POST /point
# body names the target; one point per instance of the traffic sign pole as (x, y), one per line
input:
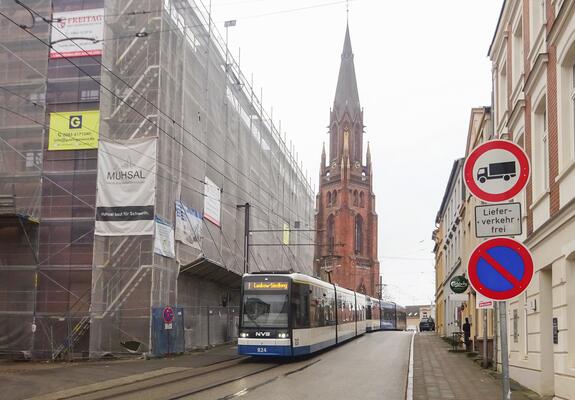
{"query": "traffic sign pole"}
(500, 269)
(504, 350)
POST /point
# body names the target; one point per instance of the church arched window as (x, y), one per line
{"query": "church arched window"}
(361, 200)
(329, 199)
(334, 198)
(358, 234)
(330, 233)
(355, 198)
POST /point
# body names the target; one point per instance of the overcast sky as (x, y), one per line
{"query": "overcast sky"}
(421, 66)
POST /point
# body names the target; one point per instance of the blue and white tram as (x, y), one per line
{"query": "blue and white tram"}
(295, 314)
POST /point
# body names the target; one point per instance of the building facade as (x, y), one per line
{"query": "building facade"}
(150, 100)
(533, 56)
(346, 221)
(448, 237)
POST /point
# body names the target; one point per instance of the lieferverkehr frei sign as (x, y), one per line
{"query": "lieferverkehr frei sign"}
(498, 220)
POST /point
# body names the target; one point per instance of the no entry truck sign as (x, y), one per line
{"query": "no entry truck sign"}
(496, 171)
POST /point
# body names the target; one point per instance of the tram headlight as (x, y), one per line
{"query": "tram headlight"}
(243, 335)
(283, 335)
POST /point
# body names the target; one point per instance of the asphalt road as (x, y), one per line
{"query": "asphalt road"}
(374, 366)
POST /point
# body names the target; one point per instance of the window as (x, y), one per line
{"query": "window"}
(300, 304)
(518, 52)
(358, 234)
(33, 159)
(331, 233)
(515, 326)
(89, 95)
(537, 13)
(502, 93)
(525, 326)
(334, 198)
(329, 199)
(540, 150)
(545, 143)
(361, 200)
(355, 198)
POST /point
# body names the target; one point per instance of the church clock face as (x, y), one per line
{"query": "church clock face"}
(357, 165)
(333, 164)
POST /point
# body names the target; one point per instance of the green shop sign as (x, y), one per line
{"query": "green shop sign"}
(459, 284)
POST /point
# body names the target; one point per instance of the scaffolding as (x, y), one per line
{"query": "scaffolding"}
(165, 73)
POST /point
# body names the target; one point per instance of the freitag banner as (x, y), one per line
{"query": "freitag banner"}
(126, 188)
(188, 225)
(85, 27)
(78, 130)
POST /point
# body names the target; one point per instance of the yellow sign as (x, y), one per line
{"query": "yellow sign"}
(268, 285)
(77, 130)
(286, 234)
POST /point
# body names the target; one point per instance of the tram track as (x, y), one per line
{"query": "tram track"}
(187, 384)
(153, 382)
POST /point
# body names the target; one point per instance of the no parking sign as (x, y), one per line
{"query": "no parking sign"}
(500, 268)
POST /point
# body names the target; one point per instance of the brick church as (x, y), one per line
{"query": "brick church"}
(346, 222)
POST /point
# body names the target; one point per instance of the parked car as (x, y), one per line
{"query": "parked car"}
(426, 324)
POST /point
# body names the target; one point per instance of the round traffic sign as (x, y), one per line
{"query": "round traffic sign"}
(496, 171)
(500, 268)
(168, 314)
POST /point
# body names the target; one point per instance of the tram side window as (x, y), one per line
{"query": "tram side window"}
(300, 305)
(330, 308)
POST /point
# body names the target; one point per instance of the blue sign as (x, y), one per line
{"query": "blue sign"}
(500, 268)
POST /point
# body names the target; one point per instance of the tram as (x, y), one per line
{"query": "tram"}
(289, 315)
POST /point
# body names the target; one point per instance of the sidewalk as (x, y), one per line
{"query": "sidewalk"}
(21, 380)
(439, 374)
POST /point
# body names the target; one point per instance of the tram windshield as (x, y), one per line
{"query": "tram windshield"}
(265, 311)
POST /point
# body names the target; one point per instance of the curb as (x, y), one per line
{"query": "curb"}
(130, 379)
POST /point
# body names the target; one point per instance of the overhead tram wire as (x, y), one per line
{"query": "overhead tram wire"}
(271, 13)
(265, 208)
(118, 158)
(154, 106)
(123, 144)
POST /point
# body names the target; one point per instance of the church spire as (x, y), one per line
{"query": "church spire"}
(346, 93)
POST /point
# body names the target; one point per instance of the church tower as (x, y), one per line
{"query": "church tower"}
(346, 222)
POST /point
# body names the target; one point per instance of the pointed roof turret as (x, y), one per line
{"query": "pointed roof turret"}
(346, 93)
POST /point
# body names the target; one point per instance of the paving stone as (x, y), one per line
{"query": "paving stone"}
(439, 374)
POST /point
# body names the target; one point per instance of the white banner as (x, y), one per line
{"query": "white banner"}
(126, 188)
(164, 244)
(212, 203)
(482, 302)
(84, 27)
(188, 225)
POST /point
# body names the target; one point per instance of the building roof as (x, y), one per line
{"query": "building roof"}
(346, 93)
(457, 165)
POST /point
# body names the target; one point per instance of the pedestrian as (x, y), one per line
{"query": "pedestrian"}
(467, 334)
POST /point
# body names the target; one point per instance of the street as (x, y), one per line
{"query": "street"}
(374, 366)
